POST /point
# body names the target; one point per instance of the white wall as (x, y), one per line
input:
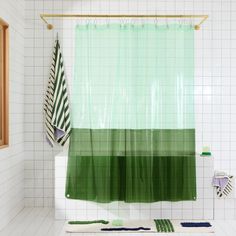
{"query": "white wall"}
(215, 54)
(12, 158)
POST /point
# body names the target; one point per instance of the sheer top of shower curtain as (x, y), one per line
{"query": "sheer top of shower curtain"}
(133, 77)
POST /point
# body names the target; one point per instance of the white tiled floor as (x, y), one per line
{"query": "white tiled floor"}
(40, 222)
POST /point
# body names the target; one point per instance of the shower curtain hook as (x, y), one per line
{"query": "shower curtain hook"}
(132, 23)
(180, 24)
(95, 23)
(122, 22)
(107, 22)
(87, 23)
(156, 22)
(192, 23)
(142, 23)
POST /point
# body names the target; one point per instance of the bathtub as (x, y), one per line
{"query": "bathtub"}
(202, 208)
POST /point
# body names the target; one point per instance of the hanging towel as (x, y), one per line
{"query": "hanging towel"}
(223, 184)
(56, 105)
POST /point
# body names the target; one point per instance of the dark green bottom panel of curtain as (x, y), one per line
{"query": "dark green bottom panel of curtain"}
(131, 165)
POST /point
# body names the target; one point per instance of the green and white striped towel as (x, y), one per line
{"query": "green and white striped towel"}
(56, 105)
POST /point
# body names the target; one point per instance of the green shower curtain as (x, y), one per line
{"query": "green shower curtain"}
(133, 136)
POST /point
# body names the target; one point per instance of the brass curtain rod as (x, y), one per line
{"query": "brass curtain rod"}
(50, 26)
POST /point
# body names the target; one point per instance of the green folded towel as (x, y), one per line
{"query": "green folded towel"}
(84, 222)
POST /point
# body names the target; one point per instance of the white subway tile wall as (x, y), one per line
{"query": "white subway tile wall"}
(12, 157)
(215, 80)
